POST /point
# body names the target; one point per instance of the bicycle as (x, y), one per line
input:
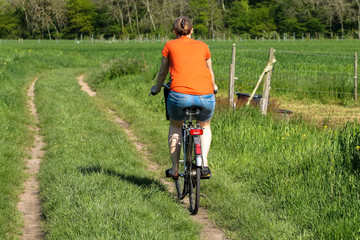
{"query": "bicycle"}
(190, 167)
(189, 170)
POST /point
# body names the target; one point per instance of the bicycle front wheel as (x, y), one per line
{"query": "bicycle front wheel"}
(181, 183)
(194, 189)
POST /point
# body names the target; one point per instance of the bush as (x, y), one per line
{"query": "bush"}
(116, 68)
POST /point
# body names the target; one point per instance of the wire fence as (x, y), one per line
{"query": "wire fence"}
(310, 74)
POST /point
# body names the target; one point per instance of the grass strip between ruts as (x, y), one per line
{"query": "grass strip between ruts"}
(94, 185)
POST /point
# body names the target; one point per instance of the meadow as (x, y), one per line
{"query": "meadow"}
(272, 178)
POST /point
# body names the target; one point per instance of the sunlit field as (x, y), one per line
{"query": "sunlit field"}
(273, 177)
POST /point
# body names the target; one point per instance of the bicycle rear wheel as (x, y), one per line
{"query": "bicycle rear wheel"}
(194, 191)
(194, 183)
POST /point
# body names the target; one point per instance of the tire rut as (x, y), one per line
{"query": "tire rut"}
(209, 231)
(30, 204)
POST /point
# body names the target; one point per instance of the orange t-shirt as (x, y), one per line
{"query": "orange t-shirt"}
(188, 69)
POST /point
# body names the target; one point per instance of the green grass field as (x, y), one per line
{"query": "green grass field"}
(272, 178)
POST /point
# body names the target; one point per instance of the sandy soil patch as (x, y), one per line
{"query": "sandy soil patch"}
(29, 204)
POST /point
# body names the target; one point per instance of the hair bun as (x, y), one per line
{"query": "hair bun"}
(182, 26)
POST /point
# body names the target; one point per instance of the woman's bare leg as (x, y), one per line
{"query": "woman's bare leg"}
(175, 142)
(205, 141)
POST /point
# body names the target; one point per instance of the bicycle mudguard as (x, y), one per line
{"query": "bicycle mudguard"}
(198, 152)
(166, 95)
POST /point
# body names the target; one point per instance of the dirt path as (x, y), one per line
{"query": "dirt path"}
(209, 231)
(29, 204)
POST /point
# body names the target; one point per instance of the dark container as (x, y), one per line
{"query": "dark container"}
(244, 97)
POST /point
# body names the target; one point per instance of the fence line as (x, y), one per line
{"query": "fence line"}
(329, 73)
(313, 85)
(340, 79)
(336, 75)
(290, 52)
(312, 91)
(296, 90)
(146, 38)
(345, 75)
(252, 49)
(251, 84)
(308, 74)
(315, 54)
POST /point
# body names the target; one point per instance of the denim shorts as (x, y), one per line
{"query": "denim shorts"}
(177, 102)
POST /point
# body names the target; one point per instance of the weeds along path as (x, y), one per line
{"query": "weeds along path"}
(209, 230)
(29, 204)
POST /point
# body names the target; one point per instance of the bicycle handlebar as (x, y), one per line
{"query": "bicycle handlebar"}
(151, 93)
(168, 88)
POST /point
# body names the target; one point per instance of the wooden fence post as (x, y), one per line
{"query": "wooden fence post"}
(266, 91)
(232, 78)
(356, 76)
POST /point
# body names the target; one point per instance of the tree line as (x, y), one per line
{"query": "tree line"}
(211, 18)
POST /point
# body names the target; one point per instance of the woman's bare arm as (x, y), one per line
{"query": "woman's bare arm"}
(164, 69)
(209, 65)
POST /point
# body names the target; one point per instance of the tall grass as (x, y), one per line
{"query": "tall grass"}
(290, 177)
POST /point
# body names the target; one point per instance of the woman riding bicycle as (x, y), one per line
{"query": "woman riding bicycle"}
(192, 85)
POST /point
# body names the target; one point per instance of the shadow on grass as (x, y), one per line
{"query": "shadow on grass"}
(143, 182)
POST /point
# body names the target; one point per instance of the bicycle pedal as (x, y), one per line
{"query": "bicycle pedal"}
(208, 176)
(204, 196)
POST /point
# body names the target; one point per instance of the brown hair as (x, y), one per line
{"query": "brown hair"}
(182, 26)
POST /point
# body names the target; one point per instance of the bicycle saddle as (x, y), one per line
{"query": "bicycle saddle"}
(192, 111)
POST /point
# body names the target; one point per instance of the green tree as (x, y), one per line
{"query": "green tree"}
(314, 25)
(291, 25)
(10, 21)
(105, 24)
(287, 19)
(81, 17)
(261, 21)
(216, 17)
(237, 19)
(199, 14)
(200, 26)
